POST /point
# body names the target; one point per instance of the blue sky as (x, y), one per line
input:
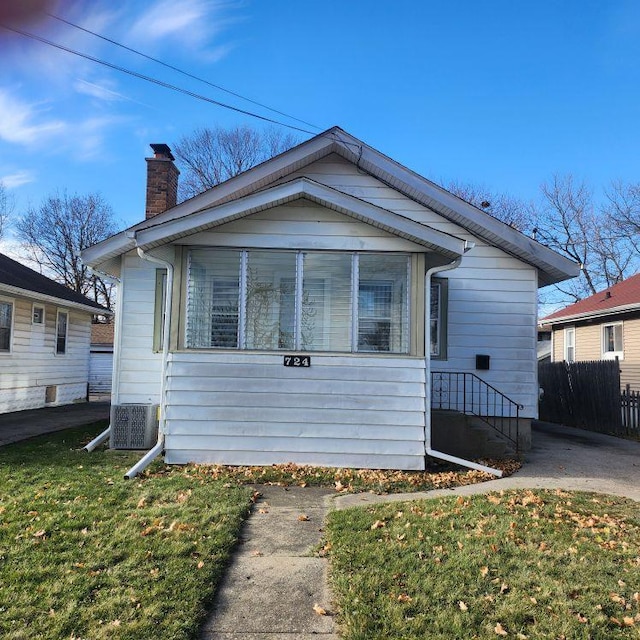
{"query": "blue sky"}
(499, 93)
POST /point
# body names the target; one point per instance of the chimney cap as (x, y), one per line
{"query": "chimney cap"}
(161, 150)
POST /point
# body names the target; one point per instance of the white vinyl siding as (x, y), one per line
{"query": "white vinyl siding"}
(32, 365)
(492, 296)
(138, 377)
(247, 408)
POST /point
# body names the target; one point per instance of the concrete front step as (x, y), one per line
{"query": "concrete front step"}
(467, 437)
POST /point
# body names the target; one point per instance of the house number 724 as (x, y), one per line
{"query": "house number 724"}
(297, 361)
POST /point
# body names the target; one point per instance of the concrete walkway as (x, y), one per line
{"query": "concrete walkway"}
(275, 578)
(21, 425)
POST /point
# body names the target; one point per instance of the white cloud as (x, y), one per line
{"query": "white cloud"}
(98, 91)
(191, 22)
(23, 123)
(14, 180)
(89, 136)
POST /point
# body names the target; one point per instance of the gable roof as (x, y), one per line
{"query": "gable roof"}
(17, 279)
(551, 266)
(619, 298)
(315, 192)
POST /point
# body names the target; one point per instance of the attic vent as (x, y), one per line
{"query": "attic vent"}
(133, 426)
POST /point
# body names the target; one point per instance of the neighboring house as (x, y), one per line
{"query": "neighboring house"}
(101, 358)
(44, 340)
(290, 301)
(604, 326)
(544, 344)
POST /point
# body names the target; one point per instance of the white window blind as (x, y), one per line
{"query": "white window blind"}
(298, 300)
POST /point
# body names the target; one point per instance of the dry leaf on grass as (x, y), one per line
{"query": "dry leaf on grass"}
(500, 630)
(378, 524)
(463, 606)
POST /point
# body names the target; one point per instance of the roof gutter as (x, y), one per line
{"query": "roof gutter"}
(157, 449)
(429, 450)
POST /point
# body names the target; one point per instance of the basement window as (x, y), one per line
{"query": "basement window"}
(298, 301)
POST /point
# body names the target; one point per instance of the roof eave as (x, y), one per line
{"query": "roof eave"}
(36, 295)
(601, 313)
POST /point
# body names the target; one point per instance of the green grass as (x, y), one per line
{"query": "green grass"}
(539, 565)
(87, 554)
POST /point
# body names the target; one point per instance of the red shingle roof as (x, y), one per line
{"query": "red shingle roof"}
(618, 297)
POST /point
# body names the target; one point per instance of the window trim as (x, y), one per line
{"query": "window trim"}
(443, 315)
(12, 304)
(408, 317)
(567, 331)
(612, 355)
(61, 312)
(159, 309)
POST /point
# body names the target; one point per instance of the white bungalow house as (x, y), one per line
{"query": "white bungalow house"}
(45, 330)
(314, 308)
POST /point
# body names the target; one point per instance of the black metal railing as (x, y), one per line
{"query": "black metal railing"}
(467, 393)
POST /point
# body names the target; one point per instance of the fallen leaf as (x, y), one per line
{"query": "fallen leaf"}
(263, 510)
(319, 610)
(504, 588)
(500, 631)
(403, 597)
(628, 621)
(463, 606)
(378, 524)
(484, 572)
(200, 564)
(141, 503)
(40, 534)
(303, 517)
(257, 553)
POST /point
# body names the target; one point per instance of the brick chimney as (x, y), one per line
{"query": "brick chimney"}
(162, 181)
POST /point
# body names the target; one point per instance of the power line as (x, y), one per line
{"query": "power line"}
(173, 68)
(152, 80)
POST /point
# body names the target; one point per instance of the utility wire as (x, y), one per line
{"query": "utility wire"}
(152, 80)
(184, 73)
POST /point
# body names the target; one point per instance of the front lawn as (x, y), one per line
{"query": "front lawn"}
(543, 565)
(85, 554)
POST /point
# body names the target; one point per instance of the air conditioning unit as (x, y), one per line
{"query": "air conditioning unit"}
(134, 426)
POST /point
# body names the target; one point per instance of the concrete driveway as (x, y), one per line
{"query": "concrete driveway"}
(21, 425)
(560, 458)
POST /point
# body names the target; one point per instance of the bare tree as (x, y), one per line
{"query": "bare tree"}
(54, 233)
(6, 207)
(209, 156)
(570, 222)
(512, 211)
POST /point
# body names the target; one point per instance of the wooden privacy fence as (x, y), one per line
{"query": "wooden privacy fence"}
(582, 394)
(630, 401)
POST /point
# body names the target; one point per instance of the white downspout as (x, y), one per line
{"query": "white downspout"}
(427, 372)
(98, 440)
(159, 446)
